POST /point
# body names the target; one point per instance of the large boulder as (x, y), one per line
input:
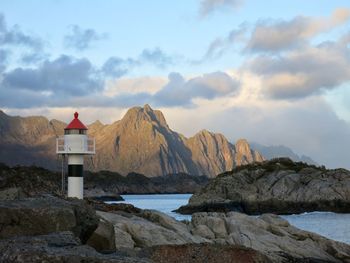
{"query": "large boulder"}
(132, 231)
(270, 235)
(280, 186)
(55, 247)
(38, 216)
(123, 227)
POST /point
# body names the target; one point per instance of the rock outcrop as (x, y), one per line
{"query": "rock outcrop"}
(270, 235)
(39, 216)
(55, 247)
(50, 229)
(140, 142)
(279, 186)
(267, 238)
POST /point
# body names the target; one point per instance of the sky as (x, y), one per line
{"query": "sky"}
(273, 72)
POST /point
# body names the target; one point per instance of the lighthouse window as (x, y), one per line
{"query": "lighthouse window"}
(75, 131)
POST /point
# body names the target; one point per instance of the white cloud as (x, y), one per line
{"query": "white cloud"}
(276, 35)
(134, 85)
(209, 6)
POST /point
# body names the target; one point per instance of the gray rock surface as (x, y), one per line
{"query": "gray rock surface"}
(11, 193)
(55, 247)
(268, 235)
(38, 216)
(271, 235)
(150, 228)
(278, 186)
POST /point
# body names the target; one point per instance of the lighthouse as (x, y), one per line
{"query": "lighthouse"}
(75, 144)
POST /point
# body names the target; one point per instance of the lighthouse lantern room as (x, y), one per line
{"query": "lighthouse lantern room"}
(75, 144)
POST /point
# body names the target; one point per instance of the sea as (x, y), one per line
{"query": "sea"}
(332, 225)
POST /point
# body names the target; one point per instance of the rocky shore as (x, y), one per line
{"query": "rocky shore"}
(107, 186)
(279, 186)
(51, 229)
(39, 227)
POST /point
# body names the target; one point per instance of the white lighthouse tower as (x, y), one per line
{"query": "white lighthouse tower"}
(75, 144)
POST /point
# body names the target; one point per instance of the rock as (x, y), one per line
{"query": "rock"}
(28, 181)
(203, 231)
(55, 247)
(199, 253)
(107, 198)
(270, 235)
(111, 183)
(267, 238)
(136, 231)
(11, 193)
(20, 181)
(279, 186)
(38, 216)
(137, 228)
(103, 238)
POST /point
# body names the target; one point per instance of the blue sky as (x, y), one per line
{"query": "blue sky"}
(274, 72)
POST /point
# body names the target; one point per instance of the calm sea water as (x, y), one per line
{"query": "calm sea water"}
(331, 225)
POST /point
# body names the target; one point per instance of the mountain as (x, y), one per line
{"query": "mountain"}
(140, 142)
(270, 152)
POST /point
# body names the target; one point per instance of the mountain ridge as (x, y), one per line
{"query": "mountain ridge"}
(276, 151)
(140, 142)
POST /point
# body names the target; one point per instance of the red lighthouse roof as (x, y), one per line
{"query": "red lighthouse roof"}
(76, 124)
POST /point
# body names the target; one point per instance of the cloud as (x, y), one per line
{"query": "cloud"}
(4, 54)
(303, 72)
(146, 84)
(220, 45)
(117, 67)
(67, 81)
(33, 57)
(179, 92)
(309, 127)
(15, 37)
(64, 76)
(278, 35)
(209, 6)
(156, 57)
(81, 39)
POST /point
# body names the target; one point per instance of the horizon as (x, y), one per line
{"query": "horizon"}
(206, 64)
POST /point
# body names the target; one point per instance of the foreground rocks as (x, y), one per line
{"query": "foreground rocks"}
(279, 186)
(268, 238)
(55, 247)
(44, 215)
(208, 253)
(270, 235)
(50, 229)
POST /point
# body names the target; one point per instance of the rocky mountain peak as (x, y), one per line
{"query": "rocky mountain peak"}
(203, 133)
(140, 142)
(137, 116)
(242, 146)
(95, 125)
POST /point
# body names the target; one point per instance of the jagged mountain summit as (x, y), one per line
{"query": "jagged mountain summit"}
(140, 142)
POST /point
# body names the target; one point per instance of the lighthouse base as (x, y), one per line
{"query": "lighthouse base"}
(76, 187)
